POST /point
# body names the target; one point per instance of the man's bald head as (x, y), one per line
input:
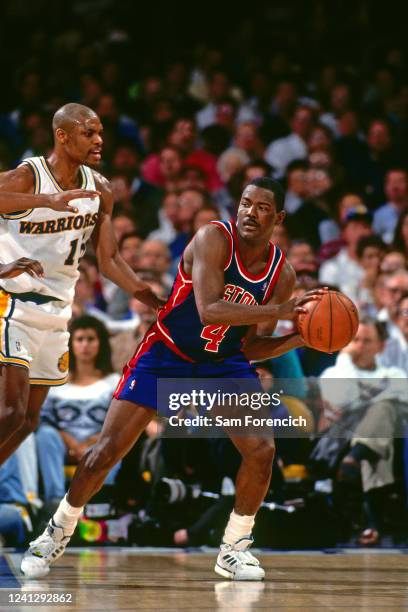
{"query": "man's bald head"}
(69, 116)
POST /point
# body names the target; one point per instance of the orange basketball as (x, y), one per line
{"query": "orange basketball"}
(330, 324)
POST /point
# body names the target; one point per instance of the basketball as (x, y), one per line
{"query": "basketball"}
(329, 324)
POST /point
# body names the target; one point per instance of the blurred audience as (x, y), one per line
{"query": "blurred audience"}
(364, 413)
(344, 269)
(386, 217)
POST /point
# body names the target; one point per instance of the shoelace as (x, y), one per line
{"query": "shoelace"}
(251, 559)
(44, 540)
(243, 556)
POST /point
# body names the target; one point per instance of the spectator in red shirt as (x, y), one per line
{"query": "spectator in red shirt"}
(183, 137)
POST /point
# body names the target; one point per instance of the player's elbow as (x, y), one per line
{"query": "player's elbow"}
(204, 318)
(207, 316)
(214, 314)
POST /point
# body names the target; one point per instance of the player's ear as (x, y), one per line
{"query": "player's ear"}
(280, 217)
(61, 135)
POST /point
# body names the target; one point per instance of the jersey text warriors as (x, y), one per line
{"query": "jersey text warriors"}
(56, 239)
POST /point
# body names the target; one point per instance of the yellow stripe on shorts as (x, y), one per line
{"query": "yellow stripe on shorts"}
(4, 305)
(48, 382)
(13, 361)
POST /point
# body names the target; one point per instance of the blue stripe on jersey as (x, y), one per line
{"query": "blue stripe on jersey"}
(179, 319)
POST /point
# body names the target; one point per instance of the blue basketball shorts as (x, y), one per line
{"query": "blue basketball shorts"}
(154, 360)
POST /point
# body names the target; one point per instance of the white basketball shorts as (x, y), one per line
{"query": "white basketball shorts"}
(34, 336)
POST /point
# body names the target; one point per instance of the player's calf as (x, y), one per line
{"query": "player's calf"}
(14, 394)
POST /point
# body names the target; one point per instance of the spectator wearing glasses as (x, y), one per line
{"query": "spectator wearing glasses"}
(395, 286)
(396, 347)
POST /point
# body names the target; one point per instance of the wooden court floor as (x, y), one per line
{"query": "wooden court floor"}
(139, 579)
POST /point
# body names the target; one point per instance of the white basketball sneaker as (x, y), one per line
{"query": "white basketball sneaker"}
(43, 551)
(236, 562)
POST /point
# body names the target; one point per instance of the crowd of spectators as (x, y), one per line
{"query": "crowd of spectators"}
(182, 138)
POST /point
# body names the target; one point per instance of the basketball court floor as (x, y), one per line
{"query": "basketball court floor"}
(163, 579)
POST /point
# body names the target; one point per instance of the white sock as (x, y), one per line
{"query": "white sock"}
(67, 516)
(238, 526)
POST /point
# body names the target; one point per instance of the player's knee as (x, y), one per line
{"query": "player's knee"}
(263, 454)
(14, 415)
(266, 454)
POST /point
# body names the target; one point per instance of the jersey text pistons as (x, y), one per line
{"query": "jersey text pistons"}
(179, 321)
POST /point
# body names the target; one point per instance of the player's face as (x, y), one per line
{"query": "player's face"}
(85, 345)
(257, 215)
(85, 142)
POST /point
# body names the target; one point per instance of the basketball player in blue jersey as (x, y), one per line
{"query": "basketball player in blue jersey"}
(232, 287)
(48, 210)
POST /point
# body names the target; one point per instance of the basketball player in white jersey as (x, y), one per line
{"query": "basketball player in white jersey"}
(42, 237)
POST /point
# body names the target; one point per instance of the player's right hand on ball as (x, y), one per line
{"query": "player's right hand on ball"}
(294, 307)
(61, 201)
(19, 266)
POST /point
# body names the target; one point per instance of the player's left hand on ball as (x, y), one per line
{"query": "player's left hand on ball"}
(19, 266)
(295, 306)
(310, 296)
(60, 201)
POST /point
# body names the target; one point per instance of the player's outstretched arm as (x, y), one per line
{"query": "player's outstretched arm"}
(259, 348)
(110, 262)
(16, 193)
(210, 252)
